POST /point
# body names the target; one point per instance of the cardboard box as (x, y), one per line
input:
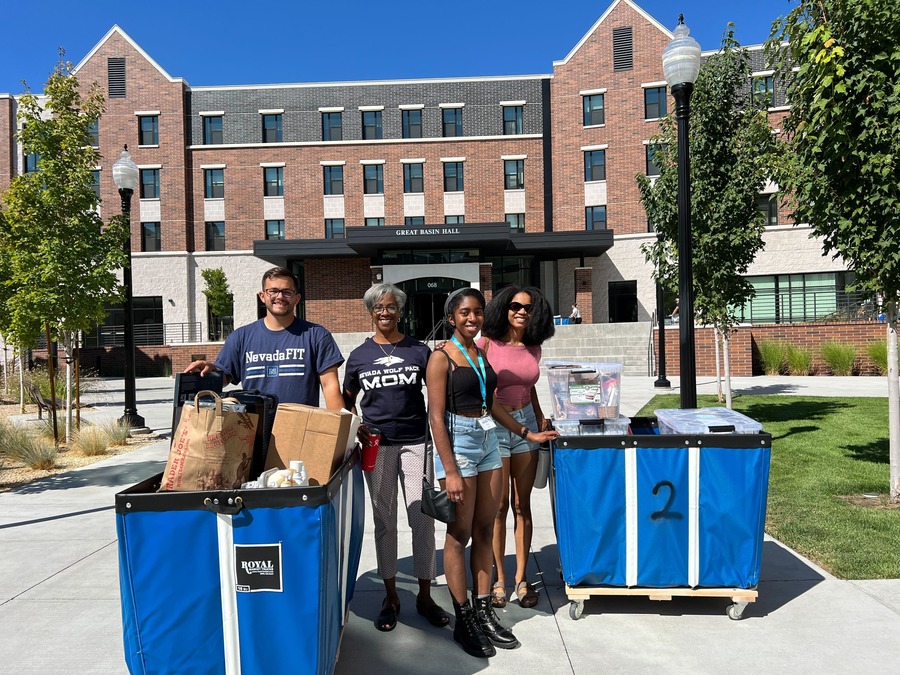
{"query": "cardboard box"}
(318, 436)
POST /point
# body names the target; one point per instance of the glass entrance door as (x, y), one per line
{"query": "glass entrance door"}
(425, 305)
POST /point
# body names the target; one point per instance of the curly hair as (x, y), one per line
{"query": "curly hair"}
(540, 326)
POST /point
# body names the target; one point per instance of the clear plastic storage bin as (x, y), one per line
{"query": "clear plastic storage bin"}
(601, 427)
(705, 421)
(584, 390)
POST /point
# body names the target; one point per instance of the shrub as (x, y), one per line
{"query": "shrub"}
(839, 357)
(115, 433)
(91, 441)
(41, 377)
(44, 426)
(878, 354)
(799, 360)
(28, 449)
(771, 353)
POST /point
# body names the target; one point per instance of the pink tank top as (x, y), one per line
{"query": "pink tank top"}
(518, 369)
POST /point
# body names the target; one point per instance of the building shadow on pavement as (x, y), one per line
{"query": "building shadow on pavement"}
(120, 474)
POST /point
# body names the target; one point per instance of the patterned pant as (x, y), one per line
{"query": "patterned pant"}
(406, 463)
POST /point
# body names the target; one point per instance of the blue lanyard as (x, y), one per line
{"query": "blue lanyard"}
(482, 373)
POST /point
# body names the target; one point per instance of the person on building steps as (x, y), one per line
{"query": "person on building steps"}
(575, 316)
(389, 368)
(281, 354)
(462, 413)
(517, 321)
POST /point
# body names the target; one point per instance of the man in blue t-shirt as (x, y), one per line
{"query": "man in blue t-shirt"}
(281, 354)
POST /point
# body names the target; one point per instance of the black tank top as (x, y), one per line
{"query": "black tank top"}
(463, 388)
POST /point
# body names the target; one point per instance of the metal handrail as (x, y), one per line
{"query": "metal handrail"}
(431, 338)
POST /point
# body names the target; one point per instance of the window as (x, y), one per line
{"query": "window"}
(93, 130)
(149, 183)
(373, 179)
(454, 220)
(623, 49)
(115, 77)
(412, 178)
(374, 222)
(654, 102)
(273, 181)
(412, 124)
(453, 176)
(516, 221)
(95, 183)
(594, 112)
(334, 228)
(31, 162)
(148, 130)
(594, 165)
(371, 120)
(334, 180)
(768, 204)
(512, 120)
(595, 218)
(651, 165)
(514, 174)
(215, 236)
(150, 237)
(331, 126)
(271, 128)
(212, 130)
(764, 91)
(274, 229)
(414, 220)
(215, 183)
(452, 122)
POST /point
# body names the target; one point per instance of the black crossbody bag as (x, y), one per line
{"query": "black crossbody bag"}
(437, 504)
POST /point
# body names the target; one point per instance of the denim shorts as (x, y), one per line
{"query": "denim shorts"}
(513, 444)
(474, 449)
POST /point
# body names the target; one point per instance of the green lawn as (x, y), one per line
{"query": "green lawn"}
(824, 449)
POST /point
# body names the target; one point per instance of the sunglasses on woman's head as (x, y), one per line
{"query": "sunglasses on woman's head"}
(518, 307)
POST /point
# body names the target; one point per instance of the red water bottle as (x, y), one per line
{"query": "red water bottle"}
(371, 441)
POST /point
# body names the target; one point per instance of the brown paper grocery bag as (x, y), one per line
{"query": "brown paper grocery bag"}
(212, 448)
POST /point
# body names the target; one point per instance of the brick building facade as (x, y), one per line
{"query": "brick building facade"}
(430, 184)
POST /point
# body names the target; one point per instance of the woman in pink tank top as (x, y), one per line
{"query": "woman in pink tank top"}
(517, 321)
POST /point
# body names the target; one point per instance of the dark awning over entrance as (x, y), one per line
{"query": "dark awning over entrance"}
(492, 239)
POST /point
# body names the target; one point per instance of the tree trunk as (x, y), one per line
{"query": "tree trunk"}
(67, 347)
(893, 401)
(718, 367)
(727, 358)
(21, 360)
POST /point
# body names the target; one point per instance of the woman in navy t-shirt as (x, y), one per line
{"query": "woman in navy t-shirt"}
(389, 369)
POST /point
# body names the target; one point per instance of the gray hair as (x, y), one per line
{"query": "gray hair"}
(374, 295)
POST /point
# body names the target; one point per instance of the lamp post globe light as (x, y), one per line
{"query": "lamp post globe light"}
(681, 65)
(126, 175)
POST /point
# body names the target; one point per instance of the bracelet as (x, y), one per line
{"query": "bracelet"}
(524, 433)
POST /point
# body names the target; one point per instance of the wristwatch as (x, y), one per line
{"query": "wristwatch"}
(524, 433)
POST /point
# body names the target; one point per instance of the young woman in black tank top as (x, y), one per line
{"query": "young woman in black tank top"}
(462, 414)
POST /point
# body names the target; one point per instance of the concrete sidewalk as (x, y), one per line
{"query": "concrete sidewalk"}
(60, 613)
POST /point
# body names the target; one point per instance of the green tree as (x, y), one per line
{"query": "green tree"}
(731, 148)
(60, 261)
(218, 296)
(842, 161)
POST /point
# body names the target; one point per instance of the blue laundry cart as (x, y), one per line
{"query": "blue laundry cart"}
(661, 515)
(238, 581)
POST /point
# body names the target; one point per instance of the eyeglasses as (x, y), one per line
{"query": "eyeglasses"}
(378, 309)
(285, 293)
(518, 307)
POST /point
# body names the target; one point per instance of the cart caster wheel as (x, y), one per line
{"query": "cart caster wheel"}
(576, 609)
(735, 612)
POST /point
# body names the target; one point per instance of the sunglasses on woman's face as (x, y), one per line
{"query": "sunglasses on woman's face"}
(518, 307)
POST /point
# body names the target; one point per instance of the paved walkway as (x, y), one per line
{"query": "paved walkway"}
(59, 599)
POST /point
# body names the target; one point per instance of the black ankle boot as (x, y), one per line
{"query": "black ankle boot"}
(468, 634)
(490, 625)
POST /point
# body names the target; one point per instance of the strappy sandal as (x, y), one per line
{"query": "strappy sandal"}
(498, 594)
(387, 619)
(528, 597)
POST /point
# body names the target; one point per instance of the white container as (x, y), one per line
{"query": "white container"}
(705, 421)
(584, 390)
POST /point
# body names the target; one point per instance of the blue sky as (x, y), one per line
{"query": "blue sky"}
(228, 42)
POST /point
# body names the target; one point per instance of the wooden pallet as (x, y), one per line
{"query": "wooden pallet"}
(741, 597)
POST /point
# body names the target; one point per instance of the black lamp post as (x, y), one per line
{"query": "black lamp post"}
(126, 176)
(661, 381)
(681, 65)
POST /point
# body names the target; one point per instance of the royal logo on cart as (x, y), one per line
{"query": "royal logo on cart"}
(257, 568)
